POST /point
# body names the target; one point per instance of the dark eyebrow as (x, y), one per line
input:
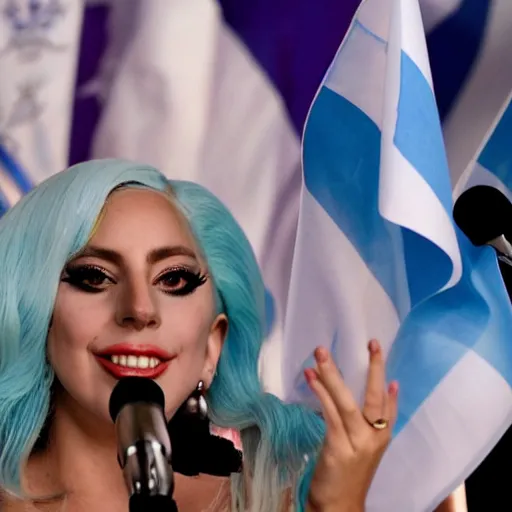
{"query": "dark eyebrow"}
(154, 256)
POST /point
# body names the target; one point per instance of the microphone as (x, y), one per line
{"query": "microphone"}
(144, 447)
(484, 214)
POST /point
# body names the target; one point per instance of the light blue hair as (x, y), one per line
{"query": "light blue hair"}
(52, 223)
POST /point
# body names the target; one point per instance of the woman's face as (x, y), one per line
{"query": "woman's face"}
(137, 301)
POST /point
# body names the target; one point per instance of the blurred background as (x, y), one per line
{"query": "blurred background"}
(218, 92)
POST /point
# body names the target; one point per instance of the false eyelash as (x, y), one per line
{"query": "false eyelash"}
(76, 275)
(194, 280)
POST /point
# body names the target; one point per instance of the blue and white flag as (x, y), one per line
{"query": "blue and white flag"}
(38, 55)
(469, 47)
(493, 164)
(378, 256)
(217, 91)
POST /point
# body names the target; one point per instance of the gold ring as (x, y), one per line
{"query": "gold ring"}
(379, 424)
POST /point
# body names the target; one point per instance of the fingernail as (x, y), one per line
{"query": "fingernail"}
(393, 388)
(310, 375)
(321, 355)
(373, 346)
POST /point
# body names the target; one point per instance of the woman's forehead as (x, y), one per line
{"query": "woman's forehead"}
(136, 216)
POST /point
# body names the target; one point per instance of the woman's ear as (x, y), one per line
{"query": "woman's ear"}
(216, 338)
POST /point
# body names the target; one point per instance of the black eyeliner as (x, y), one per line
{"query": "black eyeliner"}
(193, 280)
(76, 275)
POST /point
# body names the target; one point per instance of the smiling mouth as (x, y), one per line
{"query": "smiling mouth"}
(132, 361)
(127, 360)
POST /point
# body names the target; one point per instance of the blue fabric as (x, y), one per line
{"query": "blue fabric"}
(454, 46)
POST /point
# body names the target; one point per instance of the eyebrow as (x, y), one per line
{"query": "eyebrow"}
(154, 256)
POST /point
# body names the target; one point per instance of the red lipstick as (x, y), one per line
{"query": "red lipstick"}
(126, 349)
(104, 357)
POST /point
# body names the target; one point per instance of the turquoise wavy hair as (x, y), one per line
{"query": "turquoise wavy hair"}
(53, 222)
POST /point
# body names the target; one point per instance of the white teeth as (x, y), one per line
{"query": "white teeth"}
(136, 362)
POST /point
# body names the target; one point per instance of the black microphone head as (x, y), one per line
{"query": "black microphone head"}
(135, 389)
(483, 213)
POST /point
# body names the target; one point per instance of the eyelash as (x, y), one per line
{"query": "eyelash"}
(77, 276)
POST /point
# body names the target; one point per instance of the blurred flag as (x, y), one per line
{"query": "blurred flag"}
(493, 164)
(38, 55)
(469, 46)
(193, 96)
(378, 255)
(218, 91)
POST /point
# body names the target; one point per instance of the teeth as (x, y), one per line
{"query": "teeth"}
(136, 362)
(143, 362)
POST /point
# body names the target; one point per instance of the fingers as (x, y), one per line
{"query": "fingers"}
(332, 418)
(338, 401)
(376, 396)
(392, 398)
(331, 378)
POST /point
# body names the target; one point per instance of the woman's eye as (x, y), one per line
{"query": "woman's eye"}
(180, 281)
(87, 278)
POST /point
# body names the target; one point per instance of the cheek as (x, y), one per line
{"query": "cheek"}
(186, 325)
(188, 328)
(75, 323)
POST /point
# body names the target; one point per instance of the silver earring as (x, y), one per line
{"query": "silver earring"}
(196, 402)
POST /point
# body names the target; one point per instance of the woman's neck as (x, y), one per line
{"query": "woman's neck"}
(80, 462)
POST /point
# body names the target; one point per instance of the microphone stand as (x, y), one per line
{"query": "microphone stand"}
(136, 407)
(149, 478)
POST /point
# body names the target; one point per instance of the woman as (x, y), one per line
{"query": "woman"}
(109, 271)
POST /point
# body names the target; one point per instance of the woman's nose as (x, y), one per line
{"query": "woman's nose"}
(137, 306)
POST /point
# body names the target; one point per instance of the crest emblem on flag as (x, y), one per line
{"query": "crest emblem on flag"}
(30, 23)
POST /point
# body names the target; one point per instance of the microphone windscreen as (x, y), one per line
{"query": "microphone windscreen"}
(483, 213)
(135, 389)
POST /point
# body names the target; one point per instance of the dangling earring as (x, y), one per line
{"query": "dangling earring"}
(196, 402)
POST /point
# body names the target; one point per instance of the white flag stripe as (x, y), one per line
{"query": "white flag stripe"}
(189, 115)
(435, 451)
(355, 300)
(484, 93)
(482, 176)
(367, 95)
(435, 12)
(36, 101)
(421, 213)
(412, 34)
(468, 176)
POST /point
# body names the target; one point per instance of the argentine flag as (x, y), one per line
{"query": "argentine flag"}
(493, 165)
(378, 255)
(216, 91)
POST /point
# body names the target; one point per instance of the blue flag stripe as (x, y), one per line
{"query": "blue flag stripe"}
(439, 332)
(417, 113)
(14, 170)
(341, 171)
(4, 203)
